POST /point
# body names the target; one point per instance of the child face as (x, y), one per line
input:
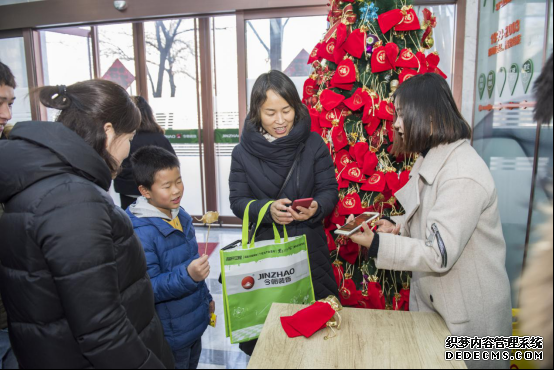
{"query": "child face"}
(167, 190)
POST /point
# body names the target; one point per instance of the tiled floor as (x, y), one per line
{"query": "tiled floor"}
(218, 352)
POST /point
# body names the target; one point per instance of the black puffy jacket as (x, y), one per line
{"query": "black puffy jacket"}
(73, 273)
(258, 171)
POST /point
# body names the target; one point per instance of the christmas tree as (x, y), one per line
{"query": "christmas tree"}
(369, 50)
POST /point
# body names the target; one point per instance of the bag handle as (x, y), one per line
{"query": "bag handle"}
(246, 222)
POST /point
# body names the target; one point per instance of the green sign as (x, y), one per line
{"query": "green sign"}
(227, 136)
(491, 82)
(482, 85)
(503, 73)
(182, 136)
(513, 77)
(527, 71)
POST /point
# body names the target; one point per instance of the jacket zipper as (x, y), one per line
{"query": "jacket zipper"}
(442, 246)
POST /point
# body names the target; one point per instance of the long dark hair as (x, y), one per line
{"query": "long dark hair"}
(431, 117)
(148, 122)
(282, 85)
(87, 106)
(543, 92)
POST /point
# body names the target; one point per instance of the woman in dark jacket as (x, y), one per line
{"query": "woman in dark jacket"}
(149, 133)
(277, 129)
(73, 273)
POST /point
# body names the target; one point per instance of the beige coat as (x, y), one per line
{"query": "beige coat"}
(453, 189)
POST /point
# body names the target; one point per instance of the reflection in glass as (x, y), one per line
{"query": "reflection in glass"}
(12, 54)
(117, 55)
(226, 100)
(443, 34)
(506, 139)
(171, 56)
(66, 57)
(273, 44)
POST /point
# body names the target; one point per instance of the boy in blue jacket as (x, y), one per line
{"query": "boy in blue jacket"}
(176, 270)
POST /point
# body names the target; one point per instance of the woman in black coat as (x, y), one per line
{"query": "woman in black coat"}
(277, 129)
(73, 274)
(149, 133)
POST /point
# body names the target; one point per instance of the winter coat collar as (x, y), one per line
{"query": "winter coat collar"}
(142, 209)
(435, 159)
(427, 168)
(163, 227)
(279, 155)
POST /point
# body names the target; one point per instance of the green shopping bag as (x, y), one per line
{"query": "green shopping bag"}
(260, 274)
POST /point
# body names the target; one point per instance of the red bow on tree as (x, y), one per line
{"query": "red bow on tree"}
(340, 18)
(335, 13)
(429, 23)
(433, 61)
(430, 64)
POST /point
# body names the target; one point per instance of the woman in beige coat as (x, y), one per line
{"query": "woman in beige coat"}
(451, 236)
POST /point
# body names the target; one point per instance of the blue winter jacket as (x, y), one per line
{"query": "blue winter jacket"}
(181, 303)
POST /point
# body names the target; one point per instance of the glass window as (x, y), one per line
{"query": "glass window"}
(66, 57)
(12, 54)
(273, 44)
(117, 55)
(226, 100)
(510, 55)
(172, 55)
(444, 34)
(543, 184)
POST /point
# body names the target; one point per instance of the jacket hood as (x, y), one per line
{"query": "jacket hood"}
(150, 218)
(143, 209)
(39, 150)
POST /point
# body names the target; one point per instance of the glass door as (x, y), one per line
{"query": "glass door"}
(173, 92)
(273, 44)
(12, 54)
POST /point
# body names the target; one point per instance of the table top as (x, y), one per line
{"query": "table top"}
(368, 339)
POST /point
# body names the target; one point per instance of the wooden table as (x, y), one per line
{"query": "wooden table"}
(368, 339)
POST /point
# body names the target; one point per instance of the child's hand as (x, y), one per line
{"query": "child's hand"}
(199, 269)
(212, 307)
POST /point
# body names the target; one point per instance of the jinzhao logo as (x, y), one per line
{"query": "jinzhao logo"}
(276, 275)
(248, 282)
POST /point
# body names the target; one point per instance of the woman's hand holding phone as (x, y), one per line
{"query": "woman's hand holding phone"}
(280, 212)
(364, 237)
(304, 214)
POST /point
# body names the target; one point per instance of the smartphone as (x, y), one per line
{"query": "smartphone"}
(354, 226)
(305, 203)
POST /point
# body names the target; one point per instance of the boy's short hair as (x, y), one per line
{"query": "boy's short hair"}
(6, 76)
(150, 160)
